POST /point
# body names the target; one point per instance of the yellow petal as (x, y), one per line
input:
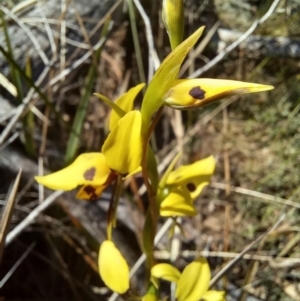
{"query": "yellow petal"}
(173, 18)
(165, 271)
(163, 181)
(90, 192)
(177, 203)
(193, 177)
(164, 78)
(192, 93)
(113, 268)
(125, 102)
(123, 146)
(194, 281)
(214, 296)
(89, 168)
(112, 104)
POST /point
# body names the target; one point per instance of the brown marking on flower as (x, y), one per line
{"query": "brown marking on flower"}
(197, 93)
(91, 192)
(191, 187)
(89, 174)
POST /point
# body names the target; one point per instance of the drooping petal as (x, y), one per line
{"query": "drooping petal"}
(125, 102)
(165, 271)
(213, 296)
(113, 268)
(173, 18)
(87, 169)
(191, 93)
(194, 281)
(164, 78)
(177, 203)
(123, 146)
(193, 177)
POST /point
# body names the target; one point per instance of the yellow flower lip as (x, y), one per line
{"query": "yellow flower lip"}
(87, 169)
(193, 177)
(192, 93)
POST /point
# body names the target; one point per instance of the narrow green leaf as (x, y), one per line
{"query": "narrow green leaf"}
(74, 138)
(28, 120)
(164, 78)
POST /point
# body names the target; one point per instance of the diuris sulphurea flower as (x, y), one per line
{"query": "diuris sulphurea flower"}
(121, 154)
(179, 188)
(192, 284)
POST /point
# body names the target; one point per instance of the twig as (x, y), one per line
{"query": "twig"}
(17, 263)
(256, 194)
(247, 249)
(32, 216)
(48, 28)
(274, 262)
(199, 48)
(80, 61)
(22, 107)
(29, 33)
(242, 38)
(153, 57)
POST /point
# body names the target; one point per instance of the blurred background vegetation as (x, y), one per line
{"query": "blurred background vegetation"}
(102, 47)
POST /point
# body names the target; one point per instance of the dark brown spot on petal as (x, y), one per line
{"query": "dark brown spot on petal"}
(91, 192)
(191, 187)
(89, 174)
(197, 93)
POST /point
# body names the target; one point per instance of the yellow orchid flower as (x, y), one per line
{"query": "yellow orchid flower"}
(166, 89)
(179, 188)
(194, 177)
(89, 170)
(121, 154)
(191, 93)
(192, 283)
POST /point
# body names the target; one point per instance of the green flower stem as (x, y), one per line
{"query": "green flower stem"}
(112, 211)
(150, 191)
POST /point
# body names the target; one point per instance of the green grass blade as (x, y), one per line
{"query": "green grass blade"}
(81, 112)
(136, 42)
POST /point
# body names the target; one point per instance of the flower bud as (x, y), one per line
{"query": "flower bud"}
(191, 93)
(173, 18)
